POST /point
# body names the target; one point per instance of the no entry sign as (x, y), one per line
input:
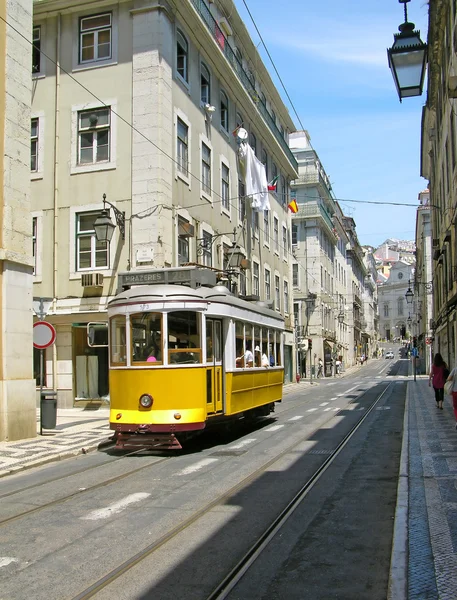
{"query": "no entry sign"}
(44, 335)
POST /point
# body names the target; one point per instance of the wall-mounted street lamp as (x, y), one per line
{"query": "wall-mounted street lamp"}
(236, 258)
(409, 322)
(341, 318)
(407, 59)
(428, 285)
(104, 227)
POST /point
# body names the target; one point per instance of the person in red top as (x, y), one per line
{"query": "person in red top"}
(438, 375)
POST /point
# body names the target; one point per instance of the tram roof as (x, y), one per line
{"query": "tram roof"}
(143, 294)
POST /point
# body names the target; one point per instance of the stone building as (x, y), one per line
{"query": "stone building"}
(137, 103)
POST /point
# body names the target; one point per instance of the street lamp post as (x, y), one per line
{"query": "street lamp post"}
(407, 59)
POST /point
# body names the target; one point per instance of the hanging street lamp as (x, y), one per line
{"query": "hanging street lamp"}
(407, 59)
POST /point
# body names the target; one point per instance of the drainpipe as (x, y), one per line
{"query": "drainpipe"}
(56, 193)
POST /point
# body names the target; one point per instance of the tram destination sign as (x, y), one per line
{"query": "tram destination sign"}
(192, 276)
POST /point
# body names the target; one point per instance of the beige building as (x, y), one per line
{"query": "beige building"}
(17, 396)
(139, 101)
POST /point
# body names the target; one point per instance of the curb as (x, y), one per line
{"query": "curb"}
(398, 576)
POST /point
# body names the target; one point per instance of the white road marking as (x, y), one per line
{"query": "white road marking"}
(197, 466)
(7, 560)
(243, 443)
(336, 409)
(383, 408)
(327, 409)
(323, 404)
(116, 507)
(311, 409)
(335, 398)
(296, 418)
(349, 390)
(274, 428)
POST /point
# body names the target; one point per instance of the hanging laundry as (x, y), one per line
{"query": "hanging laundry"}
(255, 178)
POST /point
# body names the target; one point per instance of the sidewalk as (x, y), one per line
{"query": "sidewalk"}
(424, 554)
(78, 431)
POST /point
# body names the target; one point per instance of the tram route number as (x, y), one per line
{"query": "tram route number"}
(144, 306)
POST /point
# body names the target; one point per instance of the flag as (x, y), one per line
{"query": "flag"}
(273, 183)
(292, 206)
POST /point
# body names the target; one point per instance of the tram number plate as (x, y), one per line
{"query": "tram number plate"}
(144, 306)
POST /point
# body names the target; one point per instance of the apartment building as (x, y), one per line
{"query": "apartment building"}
(438, 166)
(395, 314)
(320, 268)
(423, 282)
(136, 109)
(17, 397)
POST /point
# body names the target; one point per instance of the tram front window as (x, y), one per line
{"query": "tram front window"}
(147, 344)
(117, 345)
(184, 338)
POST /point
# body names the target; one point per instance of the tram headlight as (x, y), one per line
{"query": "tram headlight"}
(146, 401)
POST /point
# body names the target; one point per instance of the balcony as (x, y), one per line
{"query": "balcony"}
(315, 210)
(312, 176)
(246, 79)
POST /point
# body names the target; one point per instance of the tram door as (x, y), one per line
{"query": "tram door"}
(214, 373)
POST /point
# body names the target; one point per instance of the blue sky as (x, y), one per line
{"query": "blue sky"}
(332, 58)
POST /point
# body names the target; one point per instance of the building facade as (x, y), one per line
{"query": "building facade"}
(438, 166)
(139, 104)
(17, 396)
(395, 314)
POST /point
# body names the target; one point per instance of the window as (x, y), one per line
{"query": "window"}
(255, 223)
(224, 111)
(264, 161)
(36, 50)
(206, 169)
(295, 281)
(273, 116)
(294, 234)
(34, 146)
(255, 279)
(266, 226)
(242, 201)
(182, 55)
(400, 307)
(386, 310)
(283, 190)
(284, 240)
(34, 243)
(263, 99)
(267, 284)
(253, 142)
(225, 187)
(276, 234)
(277, 293)
(94, 136)
(286, 296)
(183, 241)
(95, 38)
(182, 150)
(207, 254)
(274, 175)
(205, 84)
(146, 338)
(90, 253)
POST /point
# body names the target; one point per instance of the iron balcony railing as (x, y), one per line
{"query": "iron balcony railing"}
(312, 176)
(247, 79)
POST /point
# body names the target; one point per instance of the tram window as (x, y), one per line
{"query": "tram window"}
(257, 348)
(147, 344)
(117, 345)
(184, 338)
(218, 340)
(209, 340)
(239, 344)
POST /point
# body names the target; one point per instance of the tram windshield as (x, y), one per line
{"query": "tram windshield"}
(147, 339)
(184, 338)
(117, 340)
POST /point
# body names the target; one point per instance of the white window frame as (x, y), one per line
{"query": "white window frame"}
(185, 79)
(224, 107)
(95, 64)
(295, 276)
(95, 31)
(205, 232)
(284, 243)
(38, 174)
(267, 282)
(276, 234)
(38, 265)
(286, 296)
(100, 166)
(266, 228)
(203, 193)
(226, 186)
(277, 279)
(41, 27)
(207, 99)
(255, 278)
(179, 114)
(241, 204)
(106, 271)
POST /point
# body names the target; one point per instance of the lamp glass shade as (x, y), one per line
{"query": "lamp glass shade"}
(341, 317)
(235, 257)
(104, 227)
(407, 61)
(409, 296)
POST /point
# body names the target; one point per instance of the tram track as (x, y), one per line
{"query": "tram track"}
(233, 577)
(78, 492)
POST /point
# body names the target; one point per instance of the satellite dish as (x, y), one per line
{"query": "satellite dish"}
(242, 134)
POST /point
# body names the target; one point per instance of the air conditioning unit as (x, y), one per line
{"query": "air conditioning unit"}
(92, 279)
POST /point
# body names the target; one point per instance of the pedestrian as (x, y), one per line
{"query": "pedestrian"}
(438, 375)
(338, 366)
(246, 359)
(320, 368)
(453, 377)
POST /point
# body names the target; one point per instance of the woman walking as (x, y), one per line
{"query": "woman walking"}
(438, 375)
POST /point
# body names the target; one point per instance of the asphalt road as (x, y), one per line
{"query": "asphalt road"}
(140, 526)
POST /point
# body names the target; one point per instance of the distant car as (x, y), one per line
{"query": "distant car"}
(389, 354)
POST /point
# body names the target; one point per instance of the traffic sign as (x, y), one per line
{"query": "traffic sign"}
(428, 340)
(44, 335)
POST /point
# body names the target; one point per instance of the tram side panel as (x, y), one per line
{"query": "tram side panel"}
(252, 388)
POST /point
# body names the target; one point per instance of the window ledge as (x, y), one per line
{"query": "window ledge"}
(38, 76)
(227, 213)
(92, 168)
(182, 177)
(34, 176)
(205, 196)
(95, 65)
(76, 275)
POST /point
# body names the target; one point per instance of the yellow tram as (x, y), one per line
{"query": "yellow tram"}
(183, 359)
